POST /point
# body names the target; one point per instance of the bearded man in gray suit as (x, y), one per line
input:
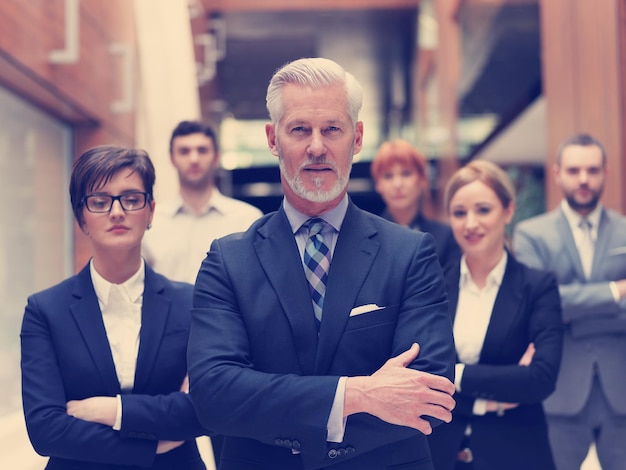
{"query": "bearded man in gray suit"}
(584, 245)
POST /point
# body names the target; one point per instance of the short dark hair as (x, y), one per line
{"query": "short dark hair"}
(584, 140)
(95, 168)
(193, 127)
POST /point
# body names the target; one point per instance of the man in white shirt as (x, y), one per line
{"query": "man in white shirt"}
(183, 229)
(584, 244)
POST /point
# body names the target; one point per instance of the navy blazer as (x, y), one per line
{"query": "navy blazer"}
(66, 356)
(268, 379)
(448, 250)
(527, 310)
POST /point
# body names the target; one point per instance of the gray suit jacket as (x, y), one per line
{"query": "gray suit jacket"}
(595, 325)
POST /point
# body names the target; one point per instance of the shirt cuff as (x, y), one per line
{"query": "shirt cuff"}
(118, 416)
(458, 375)
(336, 426)
(480, 407)
(614, 291)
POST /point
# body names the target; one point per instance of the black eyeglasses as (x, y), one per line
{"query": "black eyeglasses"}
(100, 203)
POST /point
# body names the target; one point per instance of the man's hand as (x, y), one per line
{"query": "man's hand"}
(399, 395)
(101, 410)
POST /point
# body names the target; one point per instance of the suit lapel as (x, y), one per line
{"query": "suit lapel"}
(154, 313)
(88, 318)
(505, 310)
(278, 254)
(356, 249)
(602, 242)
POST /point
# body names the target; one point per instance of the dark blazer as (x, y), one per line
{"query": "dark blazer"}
(66, 356)
(448, 250)
(527, 309)
(269, 379)
(595, 325)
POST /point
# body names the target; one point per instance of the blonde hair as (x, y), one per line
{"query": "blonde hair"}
(488, 173)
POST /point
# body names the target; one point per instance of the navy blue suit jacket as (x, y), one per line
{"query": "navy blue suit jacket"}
(258, 369)
(527, 310)
(66, 356)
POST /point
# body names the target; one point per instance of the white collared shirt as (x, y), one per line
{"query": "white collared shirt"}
(180, 239)
(122, 330)
(473, 314)
(473, 311)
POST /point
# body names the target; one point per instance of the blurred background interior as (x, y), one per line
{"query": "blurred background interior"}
(504, 80)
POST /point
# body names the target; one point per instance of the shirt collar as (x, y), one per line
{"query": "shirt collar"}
(132, 287)
(494, 278)
(334, 217)
(573, 217)
(217, 202)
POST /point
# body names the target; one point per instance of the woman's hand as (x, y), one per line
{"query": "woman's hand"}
(500, 407)
(101, 410)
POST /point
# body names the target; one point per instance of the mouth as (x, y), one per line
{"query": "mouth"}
(118, 228)
(319, 168)
(473, 237)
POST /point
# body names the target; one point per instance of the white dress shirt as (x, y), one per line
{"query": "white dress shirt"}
(473, 314)
(122, 326)
(180, 239)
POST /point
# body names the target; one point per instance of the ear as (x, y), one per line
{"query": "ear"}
(152, 206)
(508, 213)
(270, 132)
(358, 137)
(555, 172)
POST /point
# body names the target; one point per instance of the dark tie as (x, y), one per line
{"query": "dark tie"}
(316, 264)
(586, 247)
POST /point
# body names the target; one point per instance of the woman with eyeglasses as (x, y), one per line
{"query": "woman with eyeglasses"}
(104, 352)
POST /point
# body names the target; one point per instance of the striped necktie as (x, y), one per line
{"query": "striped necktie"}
(316, 264)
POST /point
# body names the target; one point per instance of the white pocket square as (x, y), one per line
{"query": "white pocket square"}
(364, 309)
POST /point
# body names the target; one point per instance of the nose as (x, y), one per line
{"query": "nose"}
(316, 147)
(117, 210)
(471, 221)
(583, 177)
(194, 156)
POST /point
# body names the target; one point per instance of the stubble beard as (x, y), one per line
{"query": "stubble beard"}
(587, 206)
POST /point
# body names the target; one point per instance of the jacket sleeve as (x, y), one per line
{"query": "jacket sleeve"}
(513, 383)
(51, 430)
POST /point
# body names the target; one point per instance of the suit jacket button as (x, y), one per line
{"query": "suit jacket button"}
(278, 442)
(287, 443)
(295, 445)
(332, 453)
(350, 450)
(342, 452)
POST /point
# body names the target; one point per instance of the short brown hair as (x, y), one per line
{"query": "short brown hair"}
(94, 168)
(486, 172)
(397, 151)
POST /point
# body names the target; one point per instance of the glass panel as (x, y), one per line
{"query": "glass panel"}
(36, 228)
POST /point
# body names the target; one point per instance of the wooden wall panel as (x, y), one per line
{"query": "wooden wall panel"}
(266, 5)
(582, 84)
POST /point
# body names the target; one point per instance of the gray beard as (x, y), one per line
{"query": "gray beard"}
(316, 195)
